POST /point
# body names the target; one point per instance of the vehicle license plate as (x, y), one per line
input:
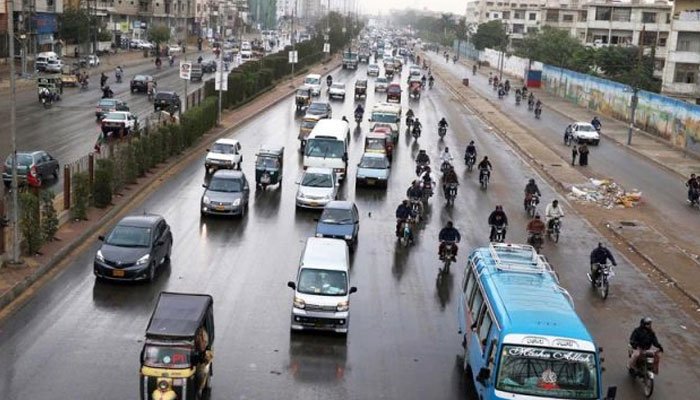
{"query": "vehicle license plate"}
(265, 179)
(117, 273)
(313, 203)
(371, 181)
(219, 208)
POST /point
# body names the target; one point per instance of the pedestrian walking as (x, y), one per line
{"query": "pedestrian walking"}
(583, 155)
(574, 153)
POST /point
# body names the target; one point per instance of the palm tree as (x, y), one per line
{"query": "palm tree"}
(446, 19)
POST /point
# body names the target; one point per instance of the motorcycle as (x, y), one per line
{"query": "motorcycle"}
(358, 118)
(535, 240)
(517, 100)
(501, 93)
(470, 160)
(416, 208)
(499, 233)
(47, 101)
(602, 280)
(427, 191)
(538, 112)
(442, 131)
(118, 76)
(416, 131)
(484, 176)
(447, 256)
(421, 168)
(531, 201)
(409, 122)
(445, 166)
(451, 194)
(554, 229)
(84, 85)
(644, 370)
(530, 105)
(406, 232)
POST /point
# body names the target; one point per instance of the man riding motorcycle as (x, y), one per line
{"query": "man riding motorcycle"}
(596, 123)
(415, 195)
(329, 80)
(448, 234)
(600, 255)
(535, 228)
(449, 178)
(446, 160)
(531, 101)
(497, 218)
(403, 212)
(553, 211)
(107, 93)
(641, 340)
(470, 152)
(417, 126)
(531, 189)
(484, 168)
(422, 80)
(431, 80)
(442, 124)
(103, 79)
(359, 111)
(693, 185)
(46, 94)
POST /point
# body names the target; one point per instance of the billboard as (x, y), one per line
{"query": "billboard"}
(45, 23)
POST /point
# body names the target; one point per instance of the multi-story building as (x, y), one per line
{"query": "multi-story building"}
(681, 76)
(37, 20)
(519, 16)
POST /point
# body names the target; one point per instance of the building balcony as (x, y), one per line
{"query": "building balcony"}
(686, 25)
(685, 57)
(687, 90)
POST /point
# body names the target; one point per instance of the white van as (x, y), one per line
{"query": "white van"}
(42, 60)
(314, 82)
(322, 288)
(327, 146)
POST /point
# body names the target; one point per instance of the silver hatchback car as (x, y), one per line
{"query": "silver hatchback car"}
(226, 193)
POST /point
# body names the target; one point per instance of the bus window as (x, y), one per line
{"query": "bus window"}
(469, 282)
(484, 328)
(476, 306)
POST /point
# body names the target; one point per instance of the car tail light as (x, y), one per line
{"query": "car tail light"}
(32, 171)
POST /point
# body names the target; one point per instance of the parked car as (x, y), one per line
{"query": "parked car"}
(340, 220)
(174, 49)
(196, 72)
(93, 60)
(223, 154)
(373, 170)
(166, 100)
(106, 106)
(317, 187)
(33, 167)
(226, 193)
(146, 45)
(140, 83)
(583, 132)
(134, 249)
(337, 89)
(320, 108)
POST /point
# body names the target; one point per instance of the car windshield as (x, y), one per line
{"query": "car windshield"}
(551, 373)
(267, 162)
(223, 148)
(323, 282)
(336, 216)
(586, 128)
(108, 103)
(338, 86)
(166, 357)
(308, 123)
(375, 144)
(140, 78)
(381, 80)
(312, 81)
(317, 108)
(373, 66)
(227, 185)
(23, 160)
(129, 236)
(326, 148)
(384, 117)
(116, 116)
(373, 163)
(319, 180)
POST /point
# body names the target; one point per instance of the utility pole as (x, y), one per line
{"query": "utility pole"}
(221, 60)
(13, 133)
(292, 39)
(635, 87)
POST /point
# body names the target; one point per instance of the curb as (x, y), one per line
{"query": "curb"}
(655, 265)
(148, 183)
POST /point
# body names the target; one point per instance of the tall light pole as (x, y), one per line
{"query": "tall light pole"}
(13, 133)
(221, 57)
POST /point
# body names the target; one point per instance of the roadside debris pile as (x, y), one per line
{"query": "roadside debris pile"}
(605, 193)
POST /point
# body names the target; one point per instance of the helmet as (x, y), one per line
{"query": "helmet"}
(486, 158)
(421, 151)
(471, 142)
(645, 321)
(532, 180)
(449, 224)
(447, 149)
(499, 208)
(405, 202)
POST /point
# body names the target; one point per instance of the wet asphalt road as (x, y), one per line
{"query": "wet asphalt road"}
(78, 339)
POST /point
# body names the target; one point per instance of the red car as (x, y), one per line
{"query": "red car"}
(393, 93)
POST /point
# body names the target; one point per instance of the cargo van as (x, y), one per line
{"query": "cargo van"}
(322, 287)
(327, 146)
(42, 60)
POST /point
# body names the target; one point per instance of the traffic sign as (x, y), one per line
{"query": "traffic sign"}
(218, 80)
(326, 47)
(185, 70)
(293, 57)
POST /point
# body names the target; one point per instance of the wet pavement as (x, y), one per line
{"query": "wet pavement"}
(79, 339)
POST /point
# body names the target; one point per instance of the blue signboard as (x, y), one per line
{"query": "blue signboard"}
(45, 23)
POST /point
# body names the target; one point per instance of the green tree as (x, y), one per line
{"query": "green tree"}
(30, 222)
(49, 216)
(555, 47)
(104, 176)
(461, 32)
(159, 34)
(81, 196)
(74, 25)
(446, 23)
(628, 65)
(491, 34)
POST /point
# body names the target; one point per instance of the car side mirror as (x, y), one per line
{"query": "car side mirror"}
(292, 285)
(160, 242)
(204, 185)
(101, 238)
(483, 376)
(353, 289)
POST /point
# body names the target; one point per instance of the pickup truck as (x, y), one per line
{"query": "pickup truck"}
(350, 60)
(121, 122)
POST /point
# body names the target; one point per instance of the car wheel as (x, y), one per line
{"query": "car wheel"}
(596, 142)
(166, 259)
(152, 272)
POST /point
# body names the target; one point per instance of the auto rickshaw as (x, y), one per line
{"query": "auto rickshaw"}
(379, 142)
(360, 88)
(393, 93)
(303, 98)
(69, 76)
(269, 164)
(307, 125)
(177, 355)
(50, 82)
(414, 88)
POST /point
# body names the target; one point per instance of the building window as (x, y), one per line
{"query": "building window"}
(533, 16)
(686, 73)
(621, 39)
(552, 16)
(567, 18)
(489, 4)
(621, 14)
(649, 17)
(518, 28)
(649, 38)
(506, 15)
(603, 13)
(523, 6)
(688, 41)
(583, 16)
(518, 15)
(663, 37)
(668, 18)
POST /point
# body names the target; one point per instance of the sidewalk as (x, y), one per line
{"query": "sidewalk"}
(638, 238)
(72, 237)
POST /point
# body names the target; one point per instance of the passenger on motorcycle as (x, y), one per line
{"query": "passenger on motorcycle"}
(448, 234)
(484, 168)
(596, 123)
(498, 218)
(409, 113)
(535, 227)
(442, 123)
(600, 255)
(422, 157)
(470, 151)
(531, 99)
(359, 110)
(446, 158)
(693, 185)
(641, 340)
(403, 212)
(46, 94)
(417, 126)
(553, 211)
(449, 178)
(530, 190)
(415, 191)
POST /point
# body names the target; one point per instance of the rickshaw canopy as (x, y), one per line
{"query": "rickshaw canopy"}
(179, 315)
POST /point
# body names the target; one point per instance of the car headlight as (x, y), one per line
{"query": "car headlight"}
(299, 303)
(99, 256)
(319, 234)
(237, 202)
(343, 306)
(143, 260)
(348, 237)
(206, 200)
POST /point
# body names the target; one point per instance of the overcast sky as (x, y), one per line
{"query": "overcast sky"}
(454, 6)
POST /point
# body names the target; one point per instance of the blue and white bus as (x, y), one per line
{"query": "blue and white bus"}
(522, 337)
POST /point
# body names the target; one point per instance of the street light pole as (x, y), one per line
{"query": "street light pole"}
(221, 61)
(13, 133)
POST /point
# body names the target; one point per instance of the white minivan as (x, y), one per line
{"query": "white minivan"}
(314, 82)
(322, 287)
(327, 146)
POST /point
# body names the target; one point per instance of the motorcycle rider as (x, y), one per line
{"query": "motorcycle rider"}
(403, 212)
(422, 80)
(641, 340)
(506, 86)
(415, 191)
(107, 93)
(359, 110)
(103, 79)
(531, 100)
(442, 123)
(449, 178)
(470, 151)
(118, 73)
(171, 60)
(484, 168)
(150, 88)
(600, 255)
(448, 234)
(417, 126)
(431, 80)
(538, 105)
(596, 123)
(446, 158)
(530, 190)
(409, 113)
(422, 159)
(553, 211)
(693, 185)
(329, 80)
(568, 133)
(498, 218)
(535, 227)
(45, 93)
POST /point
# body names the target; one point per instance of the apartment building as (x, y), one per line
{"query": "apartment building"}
(681, 75)
(519, 16)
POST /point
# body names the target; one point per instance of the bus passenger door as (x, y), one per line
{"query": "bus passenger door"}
(481, 351)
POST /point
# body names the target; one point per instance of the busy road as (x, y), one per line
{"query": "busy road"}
(80, 339)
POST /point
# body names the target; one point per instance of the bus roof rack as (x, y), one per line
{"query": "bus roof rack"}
(519, 258)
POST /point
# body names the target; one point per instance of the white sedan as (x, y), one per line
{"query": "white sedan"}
(317, 187)
(583, 132)
(337, 89)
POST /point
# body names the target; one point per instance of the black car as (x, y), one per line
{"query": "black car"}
(140, 83)
(166, 100)
(320, 108)
(134, 249)
(208, 66)
(106, 106)
(32, 168)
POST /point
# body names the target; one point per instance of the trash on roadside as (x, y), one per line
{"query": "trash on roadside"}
(606, 193)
